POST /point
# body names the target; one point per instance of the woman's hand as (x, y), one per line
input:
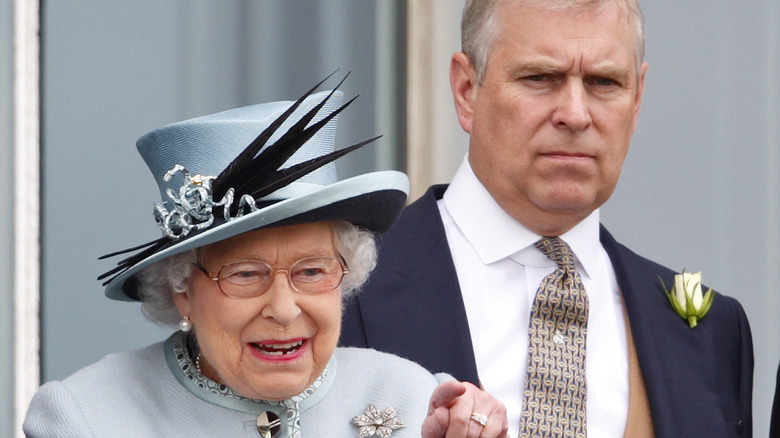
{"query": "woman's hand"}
(459, 409)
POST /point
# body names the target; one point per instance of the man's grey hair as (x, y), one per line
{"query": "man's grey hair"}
(479, 25)
(158, 282)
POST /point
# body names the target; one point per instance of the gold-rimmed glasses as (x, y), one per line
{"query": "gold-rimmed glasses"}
(251, 278)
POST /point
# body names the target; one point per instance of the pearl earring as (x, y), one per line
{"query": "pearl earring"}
(185, 324)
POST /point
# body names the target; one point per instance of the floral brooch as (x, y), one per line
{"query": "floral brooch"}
(374, 422)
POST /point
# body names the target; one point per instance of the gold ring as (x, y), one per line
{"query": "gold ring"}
(479, 418)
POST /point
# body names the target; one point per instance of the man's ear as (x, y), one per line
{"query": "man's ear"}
(463, 80)
(640, 92)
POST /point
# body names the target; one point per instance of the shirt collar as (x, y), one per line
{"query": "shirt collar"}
(495, 235)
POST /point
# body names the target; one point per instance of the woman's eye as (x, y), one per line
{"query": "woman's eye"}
(246, 277)
(310, 272)
(247, 274)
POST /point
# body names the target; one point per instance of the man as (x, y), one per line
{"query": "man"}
(774, 427)
(550, 91)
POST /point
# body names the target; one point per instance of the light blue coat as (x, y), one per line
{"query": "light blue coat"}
(136, 394)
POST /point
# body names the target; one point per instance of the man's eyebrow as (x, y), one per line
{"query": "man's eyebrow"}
(542, 67)
(609, 72)
(537, 68)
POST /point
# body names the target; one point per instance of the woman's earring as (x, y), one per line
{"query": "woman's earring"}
(185, 324)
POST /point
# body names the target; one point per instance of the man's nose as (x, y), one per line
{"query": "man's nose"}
(572, 112)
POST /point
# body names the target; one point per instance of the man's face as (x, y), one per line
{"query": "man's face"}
(552, 120)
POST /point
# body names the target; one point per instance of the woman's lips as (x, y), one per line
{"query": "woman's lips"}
(279, 350)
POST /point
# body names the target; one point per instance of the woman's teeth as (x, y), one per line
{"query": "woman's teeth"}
(278, 349)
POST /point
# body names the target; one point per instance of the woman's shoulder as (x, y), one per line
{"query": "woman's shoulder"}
(371, 364)
(112, 376)
(349, 354)
(124, 365)
(114, 384)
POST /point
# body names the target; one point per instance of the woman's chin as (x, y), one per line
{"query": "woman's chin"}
(275, 386)
(277, 376)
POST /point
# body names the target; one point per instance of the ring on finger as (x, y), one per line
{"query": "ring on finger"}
(482, 419)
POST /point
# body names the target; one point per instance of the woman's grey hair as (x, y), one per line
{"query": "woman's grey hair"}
(158, 282)
(479, 25)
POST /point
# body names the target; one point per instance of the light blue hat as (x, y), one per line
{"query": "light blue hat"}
(262, 165)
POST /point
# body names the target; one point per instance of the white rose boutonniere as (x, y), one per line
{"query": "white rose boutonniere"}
(687, 299)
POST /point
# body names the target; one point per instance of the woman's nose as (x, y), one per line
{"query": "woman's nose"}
(281, 300)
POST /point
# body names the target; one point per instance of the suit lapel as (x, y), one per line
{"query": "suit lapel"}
(672, 357)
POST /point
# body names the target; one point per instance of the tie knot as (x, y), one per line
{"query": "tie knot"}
(556, 250)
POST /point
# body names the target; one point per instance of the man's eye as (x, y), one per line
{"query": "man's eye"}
(537, 78)
(604, 82)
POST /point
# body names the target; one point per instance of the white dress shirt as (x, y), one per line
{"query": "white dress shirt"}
(500, 269)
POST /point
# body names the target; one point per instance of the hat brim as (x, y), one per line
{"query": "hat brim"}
(372, 201)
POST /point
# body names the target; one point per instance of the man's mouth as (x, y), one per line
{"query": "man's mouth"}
(567, 154)
(278, 349)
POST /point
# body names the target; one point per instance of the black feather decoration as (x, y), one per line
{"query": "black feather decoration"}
(256, 173)
(127, 263)
(234, 171)
(292, 173)
(266, 167)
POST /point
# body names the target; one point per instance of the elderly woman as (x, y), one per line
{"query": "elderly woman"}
(260, 247)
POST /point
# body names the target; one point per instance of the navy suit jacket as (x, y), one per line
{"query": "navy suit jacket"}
(698, 381)
(774, 427)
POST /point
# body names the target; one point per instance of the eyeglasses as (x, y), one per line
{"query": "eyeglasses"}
(252, 278)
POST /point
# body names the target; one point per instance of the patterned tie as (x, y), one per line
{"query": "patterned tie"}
(555, 389)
